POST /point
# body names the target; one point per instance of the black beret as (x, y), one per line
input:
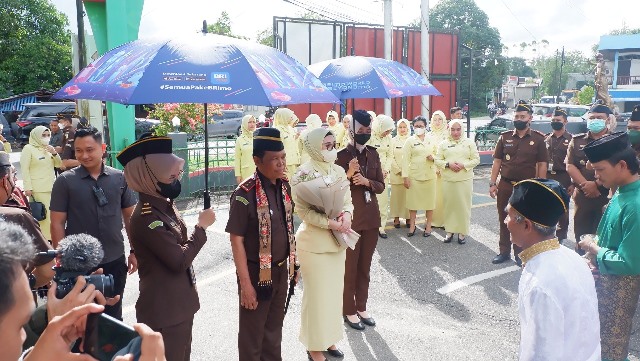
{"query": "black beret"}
(559, 112)
(267, 139)
(5, 159)
(143, 146)
(600, 107)
(542, 201)
(362, 117)
(605, 147)
(635, 114)
(523, 106)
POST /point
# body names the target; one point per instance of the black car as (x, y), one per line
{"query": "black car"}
(6, 129)
(35, 114)
(226, 124)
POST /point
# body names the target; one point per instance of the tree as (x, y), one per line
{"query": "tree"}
(548, 68)
(585, 95)
(475, 31)
(222, 26)
(518, 67)
(35, 48)
(265, 37)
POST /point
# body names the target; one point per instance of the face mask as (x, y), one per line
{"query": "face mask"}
(419, 131)
(46, 140)
(171, 190)
(329, 156)
(557, 125)
(634, 136)
(520, 125)
(362, 139)
(596, 125)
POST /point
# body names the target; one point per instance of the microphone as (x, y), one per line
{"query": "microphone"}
(80, 252)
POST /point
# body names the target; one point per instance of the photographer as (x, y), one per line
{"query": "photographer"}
(17, 306)
(40, 267)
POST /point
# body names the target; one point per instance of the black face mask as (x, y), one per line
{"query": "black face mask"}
(520, 125)
(362, 139)
(171, 190)
(557, 125)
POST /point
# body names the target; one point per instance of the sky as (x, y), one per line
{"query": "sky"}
(574, 24)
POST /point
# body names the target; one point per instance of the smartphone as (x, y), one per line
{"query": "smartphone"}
(106, 337)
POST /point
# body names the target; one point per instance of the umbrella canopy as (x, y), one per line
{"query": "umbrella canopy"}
(354, 77)
(198, 69)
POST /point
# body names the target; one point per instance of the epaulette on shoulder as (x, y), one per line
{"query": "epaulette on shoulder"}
(145, 209)
(506, 132)
(371, 147)
(248, 184)
(537, 131)
(579, 135)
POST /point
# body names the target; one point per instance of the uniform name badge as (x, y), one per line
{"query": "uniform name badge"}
(192, 275)
(550, 168)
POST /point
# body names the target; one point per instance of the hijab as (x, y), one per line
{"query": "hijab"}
(312, 143)
(383, 124)
(408, 124)
(138, 174)
(245, 126)
(313, 122)
(462, 135)
(443, 122)
(335, 116)
(35, 137)
(282, 118)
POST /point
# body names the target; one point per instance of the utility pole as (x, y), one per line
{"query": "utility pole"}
(424, 51)
(388, 44)
(82, 62)
(560, 79)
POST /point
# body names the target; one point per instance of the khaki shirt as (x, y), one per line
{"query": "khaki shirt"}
(383, 147)
(397, 144)
(415, 164)
(577, 157)
(463, 151)
(288, 135)
(557, 148)
(243, 163)
(520, 155)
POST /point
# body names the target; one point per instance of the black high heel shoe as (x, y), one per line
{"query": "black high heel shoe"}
(335, 353)
(412, 233)
(311, 358)
(448, 239)
(396, 225)
(461, 240)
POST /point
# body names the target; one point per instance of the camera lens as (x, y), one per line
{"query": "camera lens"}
(103, 283)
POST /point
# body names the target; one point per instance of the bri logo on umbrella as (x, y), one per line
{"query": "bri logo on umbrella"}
(220, 78)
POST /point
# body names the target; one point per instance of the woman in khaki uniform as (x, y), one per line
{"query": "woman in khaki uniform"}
(313, 121)
(398, 207)
(381, 130)
(244, 167)
(456, 158)
(37, 162)
(419, 175)
(336, 127)
(285, 120)
(438, 133)
(322, 259)
(346, 138)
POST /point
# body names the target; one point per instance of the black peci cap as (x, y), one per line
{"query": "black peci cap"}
(267, 139)
(600, 107)
(523, 106)
(605, 147)
(559, 112)
(362, 117)
(143, 146)
(635, 114)
(542, 201)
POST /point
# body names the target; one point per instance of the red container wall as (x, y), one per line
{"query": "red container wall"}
(369, 41)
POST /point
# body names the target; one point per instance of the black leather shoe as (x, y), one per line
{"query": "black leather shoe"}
(407, 225)
(382, 235)
(462, 240)
(311, 358)
(426, 234)
(335, 353)
(367, 321)
(518, 261)
(396, 225)
(448, 239)
(356, 326)
(502, 257)
(411, 234)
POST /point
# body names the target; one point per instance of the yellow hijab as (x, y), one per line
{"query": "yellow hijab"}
(35, 137)
(245, 126)
(435, 128)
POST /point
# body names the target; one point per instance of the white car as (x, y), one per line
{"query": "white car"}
(575, 113)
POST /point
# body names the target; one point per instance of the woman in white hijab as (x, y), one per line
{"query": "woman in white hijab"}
(438, 133)
(244, 167)
(381, 130)
(336, 127)
(323, 202)
(284, 119)
(398, 207)
(313, 121)
(346, 138)
(456, 157)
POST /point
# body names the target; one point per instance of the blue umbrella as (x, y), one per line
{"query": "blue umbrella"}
(354, 77)
(198, 69)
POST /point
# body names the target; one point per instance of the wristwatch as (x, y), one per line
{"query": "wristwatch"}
(446, 165)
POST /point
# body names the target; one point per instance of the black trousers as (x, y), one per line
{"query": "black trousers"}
(118, 269)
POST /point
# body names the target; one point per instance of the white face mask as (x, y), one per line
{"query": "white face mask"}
(419, 131)
(329, 156)
(46, 140)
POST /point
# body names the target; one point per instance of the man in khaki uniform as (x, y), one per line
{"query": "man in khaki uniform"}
(590, 196)
(520, 154)
(557, 145)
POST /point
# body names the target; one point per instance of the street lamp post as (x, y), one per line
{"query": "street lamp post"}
(469, 89)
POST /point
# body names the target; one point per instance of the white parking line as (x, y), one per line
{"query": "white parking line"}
(409, 243)
(475, 279)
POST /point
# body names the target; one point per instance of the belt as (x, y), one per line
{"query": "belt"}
(509, 181)
(557, 171)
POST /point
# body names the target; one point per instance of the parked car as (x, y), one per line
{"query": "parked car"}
(549, 99)
(35, 114)
(575, 113)
(145, 125)
(226, 124)
(6, 129)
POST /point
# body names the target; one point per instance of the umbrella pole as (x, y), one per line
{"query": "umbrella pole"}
(207, 196)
